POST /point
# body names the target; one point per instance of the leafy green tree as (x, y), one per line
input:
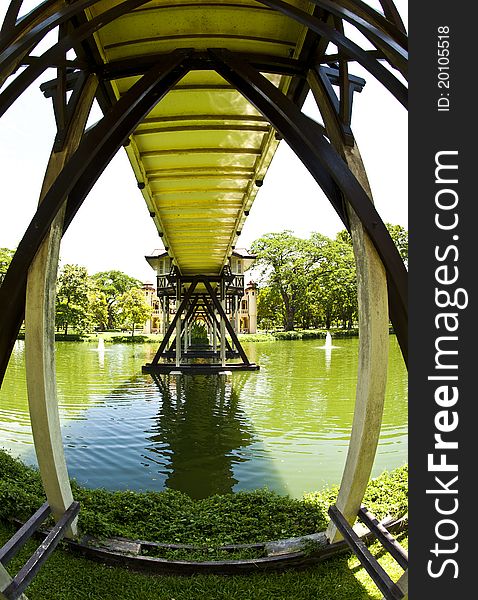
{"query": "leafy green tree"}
(133, 309)
(98, 308)
(270, 308)
(341, 281)
(285, 264)
(6, 256)
(72, 299)
(400, 237)
(113, 284)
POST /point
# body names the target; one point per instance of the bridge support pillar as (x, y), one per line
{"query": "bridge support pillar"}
(373, 328)
(40, 332)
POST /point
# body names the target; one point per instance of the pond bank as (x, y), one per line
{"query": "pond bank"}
(67, 577)
(116, 337)
(170, 516)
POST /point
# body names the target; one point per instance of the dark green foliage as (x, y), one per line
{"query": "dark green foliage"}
(287, 335)
(128, 339)
(199, 334)
(310, 283)
(112, 284)
(308, 334)
(173, 517)
(6, 256)
(72, 299)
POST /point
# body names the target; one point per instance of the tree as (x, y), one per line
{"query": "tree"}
(113, 284)
(133, 309)
(285, 264)
(72, 298)
(400, 237)
(98, 308)
(270, 308)
(6, 256)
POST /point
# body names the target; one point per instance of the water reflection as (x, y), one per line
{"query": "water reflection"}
(286, 426)
(202, 427)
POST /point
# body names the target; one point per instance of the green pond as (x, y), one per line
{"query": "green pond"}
(285, 427)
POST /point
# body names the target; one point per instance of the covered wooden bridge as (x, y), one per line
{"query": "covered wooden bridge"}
(199, 94)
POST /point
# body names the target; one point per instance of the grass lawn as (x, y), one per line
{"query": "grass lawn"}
(172, 517)
(66, 577)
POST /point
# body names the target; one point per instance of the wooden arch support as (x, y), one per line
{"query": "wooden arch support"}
(70, 174)
(373, 330)
(374, 257)
(329, 170)
(75, 181)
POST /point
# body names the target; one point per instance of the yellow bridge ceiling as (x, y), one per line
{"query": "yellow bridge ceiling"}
(201, 150)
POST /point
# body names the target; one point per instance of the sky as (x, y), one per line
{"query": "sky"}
(113, 229)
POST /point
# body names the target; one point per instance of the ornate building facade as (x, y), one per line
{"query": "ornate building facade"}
(241, 310)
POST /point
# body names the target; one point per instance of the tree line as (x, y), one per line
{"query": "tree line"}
(310, 283)
(107, 300)
(303, 283)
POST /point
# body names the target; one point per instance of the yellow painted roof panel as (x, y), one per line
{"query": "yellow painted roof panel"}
(201, 149)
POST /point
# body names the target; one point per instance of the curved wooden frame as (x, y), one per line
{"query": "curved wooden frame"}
(335, 165)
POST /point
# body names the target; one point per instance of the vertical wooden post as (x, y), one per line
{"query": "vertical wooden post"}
(186, 334)
(214, 333)
(40, 332)
(178, 325)
(223, 324)
(373, 332)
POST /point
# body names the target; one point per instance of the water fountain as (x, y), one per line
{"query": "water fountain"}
(328, 340)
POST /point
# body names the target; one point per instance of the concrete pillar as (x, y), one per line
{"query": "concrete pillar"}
(214, 333)
(223, 326)
(251, 293)
(186, 334)
(40, 333)
(402, 583)
(373, 334)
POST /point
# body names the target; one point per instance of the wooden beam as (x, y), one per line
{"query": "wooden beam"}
(373, 329)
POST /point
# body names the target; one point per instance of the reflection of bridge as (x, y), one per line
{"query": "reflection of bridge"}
(200, 422)
(199, 94)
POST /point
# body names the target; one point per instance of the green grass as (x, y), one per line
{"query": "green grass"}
(66, 577)
(173, 517)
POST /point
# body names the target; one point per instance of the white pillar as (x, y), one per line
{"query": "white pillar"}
(373, 335)
(252, 309)
(186, 334)
(40, 333)
(223, 327)
(214, 333)
(238, 315)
